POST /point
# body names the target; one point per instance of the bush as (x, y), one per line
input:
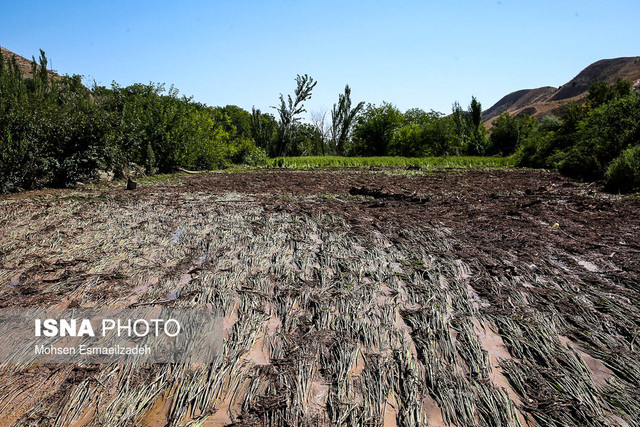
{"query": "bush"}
(256, 156)
(55, 131)
(623, 174)
(577, 162)
(535, 151)
(408, 141)
(508, 131)
(374, 129)
(601, 136)
(587, 140)
(423, 134)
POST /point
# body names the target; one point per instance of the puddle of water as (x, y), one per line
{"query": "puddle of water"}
(230, 320)
(390, 411)
(175, 237)
(157, 413)
(588, 266)
(319, 395)
(175, 294)
(259, 354)
(274, 324)
(557, 263)
(433, 412)
(358, 366)
(472, 293)
(203, 257)
(493, 344)
(600, 373)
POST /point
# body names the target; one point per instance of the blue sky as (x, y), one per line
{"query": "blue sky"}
(424, 54)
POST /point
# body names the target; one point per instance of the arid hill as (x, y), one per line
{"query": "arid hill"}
(24, 64)
(549, 100)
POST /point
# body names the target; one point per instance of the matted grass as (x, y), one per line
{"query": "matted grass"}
(327, 321)
(424, 162)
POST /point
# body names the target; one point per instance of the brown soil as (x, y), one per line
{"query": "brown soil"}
(533, 278)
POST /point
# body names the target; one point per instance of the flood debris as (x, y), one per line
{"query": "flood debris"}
(460, 311)
(131, 184)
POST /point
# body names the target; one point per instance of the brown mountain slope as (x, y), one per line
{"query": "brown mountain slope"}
(24, 64)
(548, 100)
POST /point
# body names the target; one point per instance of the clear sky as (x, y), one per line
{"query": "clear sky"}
(424, 54)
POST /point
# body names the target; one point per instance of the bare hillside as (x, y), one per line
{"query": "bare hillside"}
(549, 100)
(24, 64)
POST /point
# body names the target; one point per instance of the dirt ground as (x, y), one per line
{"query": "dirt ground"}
(350, 297)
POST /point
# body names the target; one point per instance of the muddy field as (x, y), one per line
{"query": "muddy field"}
(350, 297)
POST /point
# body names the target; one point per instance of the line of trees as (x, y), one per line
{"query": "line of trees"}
(370, 130)
(54, 131)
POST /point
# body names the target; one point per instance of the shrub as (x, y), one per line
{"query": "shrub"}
(508, 131)
(623, 174)
(550, 123)
(577, 162)
(374, 129)
(536, 149)
(612, 127)
(255, 156)
(587, 141)
(55, 131)
(408, 141)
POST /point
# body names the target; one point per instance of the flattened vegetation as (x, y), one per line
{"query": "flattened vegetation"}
(466, 298)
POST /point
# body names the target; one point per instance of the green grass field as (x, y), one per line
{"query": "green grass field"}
(425, 162)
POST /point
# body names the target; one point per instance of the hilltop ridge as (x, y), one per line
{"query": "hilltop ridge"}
(24, 64)
(545, 100)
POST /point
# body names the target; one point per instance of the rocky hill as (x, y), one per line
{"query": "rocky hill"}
(550, 100)
(24, 64)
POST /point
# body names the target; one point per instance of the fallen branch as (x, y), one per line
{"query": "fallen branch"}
(195, 172)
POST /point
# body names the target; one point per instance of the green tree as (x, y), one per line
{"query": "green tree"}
(423, 134)
(601, 93)
(508, 131)
(307, 140)
(54, 131)
(51, 130)
(289, 112)
(469, 132)
(440, 135)
(462, 128)
(239, 123)
(342, 118)
(408, 141)
(475, 113)
(264, 130)
(623, 174)
(374, 129)
(601, 137)
(323, 132)
(478, 144)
